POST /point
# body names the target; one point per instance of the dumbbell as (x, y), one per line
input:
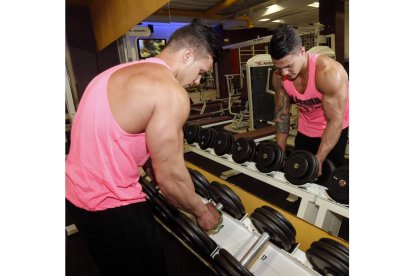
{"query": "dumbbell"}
(329, 257)
(224, 143)
(269, 156)
(338, 185)
(301, 167)
(194, 236)
(271, 227)
(243, 150)
(281, 231)
(232, 204)
(200, 183)
(191, 133)
(206, 137)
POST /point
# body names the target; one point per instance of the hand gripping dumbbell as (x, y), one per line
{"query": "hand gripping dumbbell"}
(329, 257)
(230, 201)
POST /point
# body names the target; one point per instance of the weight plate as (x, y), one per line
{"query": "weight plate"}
(301, 167)
(197, 238)
(242, 150)
(334, 251)
(328, 168)
(204, 137)
(269, 157)
(148, 187)
(232, 195)
(281, 218)
(223, 143)
(200, 183)
(278, 223)
(228, 198)
(164, 210)
(338, 186)
(213, 137)
(264, 224)
(192, 133)
(325, 263)
(338, 245)
(229, 265)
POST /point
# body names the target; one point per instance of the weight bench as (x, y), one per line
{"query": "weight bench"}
(258, 134)
(213, 121)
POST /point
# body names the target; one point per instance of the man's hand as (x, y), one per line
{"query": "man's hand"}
(210, 219)
(320, 161)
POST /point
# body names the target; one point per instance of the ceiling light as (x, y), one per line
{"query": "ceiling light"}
(272, 9)
(264, 19)
(314, 5)
(278, 21)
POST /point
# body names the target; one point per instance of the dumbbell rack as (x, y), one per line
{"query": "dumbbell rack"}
(314, 207)
(237, 237)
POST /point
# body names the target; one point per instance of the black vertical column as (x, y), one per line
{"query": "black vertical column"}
(332, 16)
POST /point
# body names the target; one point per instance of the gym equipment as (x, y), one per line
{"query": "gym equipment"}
(194, 236)
(269, 156)
(243, 150)
(301, 167)
(226, 265)
(148, 186)
(338, 185)
(329, 257)
(200, 183)
(206, 137)
(280, 230)
(231, 202)
(224, 143)
(191, 133)
(191, 129)
(328, 169)
(164, 210)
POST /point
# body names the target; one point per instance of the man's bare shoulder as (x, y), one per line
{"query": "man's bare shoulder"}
(327, 65)
(330, 74)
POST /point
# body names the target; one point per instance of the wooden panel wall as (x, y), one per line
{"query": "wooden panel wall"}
(113, 18)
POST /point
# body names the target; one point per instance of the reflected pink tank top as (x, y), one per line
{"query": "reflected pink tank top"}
(312, 120)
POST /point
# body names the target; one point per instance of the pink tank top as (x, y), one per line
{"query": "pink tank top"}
(312, 120)
(102, 168)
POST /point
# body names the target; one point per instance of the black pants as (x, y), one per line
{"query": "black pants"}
(312, 144)
(123, 240)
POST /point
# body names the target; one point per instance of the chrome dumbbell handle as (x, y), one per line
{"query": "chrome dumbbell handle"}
(255, 249)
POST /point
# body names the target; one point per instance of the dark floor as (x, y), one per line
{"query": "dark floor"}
(181, 262)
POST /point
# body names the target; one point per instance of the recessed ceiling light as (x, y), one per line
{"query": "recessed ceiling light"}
(314, 5)
(278, 21)
(264, 19)
(272, 9)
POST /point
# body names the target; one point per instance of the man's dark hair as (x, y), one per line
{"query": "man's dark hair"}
(197, 35)
(285, 40)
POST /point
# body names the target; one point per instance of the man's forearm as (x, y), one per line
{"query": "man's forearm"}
(329, 139)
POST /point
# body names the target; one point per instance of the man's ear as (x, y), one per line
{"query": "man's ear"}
(188, 55)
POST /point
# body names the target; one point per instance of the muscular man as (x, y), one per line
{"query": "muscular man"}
(319, 87)
(128, 113)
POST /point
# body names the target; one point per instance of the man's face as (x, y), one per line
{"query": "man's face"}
(196, 66)
(290, 65)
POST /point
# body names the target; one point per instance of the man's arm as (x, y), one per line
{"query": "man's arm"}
(282, 111)
(332, 81)
(165, 143)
